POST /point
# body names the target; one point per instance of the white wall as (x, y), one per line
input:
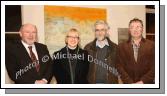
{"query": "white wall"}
(117, 17)
(35, 15)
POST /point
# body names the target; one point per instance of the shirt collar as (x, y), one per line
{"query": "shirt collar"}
(26, 45)
(133, 43)
(105, 42)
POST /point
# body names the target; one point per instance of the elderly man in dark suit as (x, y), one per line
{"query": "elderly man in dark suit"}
(136, 57)
(28, 62)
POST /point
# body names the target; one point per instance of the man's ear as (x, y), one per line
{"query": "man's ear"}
(129, 30)
(37, 39)
(20, 34)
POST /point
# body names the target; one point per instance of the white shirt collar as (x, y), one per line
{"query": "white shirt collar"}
(33, 48)
(27, 45)
(101, 45)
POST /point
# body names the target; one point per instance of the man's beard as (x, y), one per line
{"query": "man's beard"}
(101, 39)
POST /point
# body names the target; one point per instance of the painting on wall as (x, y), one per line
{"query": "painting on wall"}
(123, 35)
(59, 19)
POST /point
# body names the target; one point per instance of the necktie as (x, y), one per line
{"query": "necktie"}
(34, 59)
(135, 48)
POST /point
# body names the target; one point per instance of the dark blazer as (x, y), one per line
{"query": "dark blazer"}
(61, 68)
(132, 71)
(111, 61)
(20, 66)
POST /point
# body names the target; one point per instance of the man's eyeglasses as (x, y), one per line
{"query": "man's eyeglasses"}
(100, 30)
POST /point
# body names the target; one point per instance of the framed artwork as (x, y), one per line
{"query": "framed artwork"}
(59, 19)
(123, 35)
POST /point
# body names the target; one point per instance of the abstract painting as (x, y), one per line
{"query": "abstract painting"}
(59, 19)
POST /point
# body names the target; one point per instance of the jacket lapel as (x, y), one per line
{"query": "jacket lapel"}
(140, 52)
(26, 59)
(39, 53)
(24, 52)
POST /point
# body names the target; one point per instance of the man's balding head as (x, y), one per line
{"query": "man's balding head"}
(28, 33)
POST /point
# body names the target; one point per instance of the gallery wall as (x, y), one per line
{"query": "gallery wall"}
(118, 16)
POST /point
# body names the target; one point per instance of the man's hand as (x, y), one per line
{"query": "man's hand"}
(40, 82)
(139, 82)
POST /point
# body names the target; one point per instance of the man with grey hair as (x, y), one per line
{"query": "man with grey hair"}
(27, 61)
(103, 51)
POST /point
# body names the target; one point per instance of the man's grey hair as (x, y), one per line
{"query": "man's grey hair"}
(99, 22)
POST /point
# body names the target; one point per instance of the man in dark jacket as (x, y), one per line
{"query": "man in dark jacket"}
(71, 62)
(136, 56)
(102, 56)
(28, 62)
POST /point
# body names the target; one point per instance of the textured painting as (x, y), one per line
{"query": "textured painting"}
(59, 19)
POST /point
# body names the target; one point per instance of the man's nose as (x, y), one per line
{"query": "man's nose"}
(30, 34)
(101, 33)
(73, 39)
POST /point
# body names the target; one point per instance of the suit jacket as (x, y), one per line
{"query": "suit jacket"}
(111, 61)
(20, 67)
(132, 71)
(61, 68)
